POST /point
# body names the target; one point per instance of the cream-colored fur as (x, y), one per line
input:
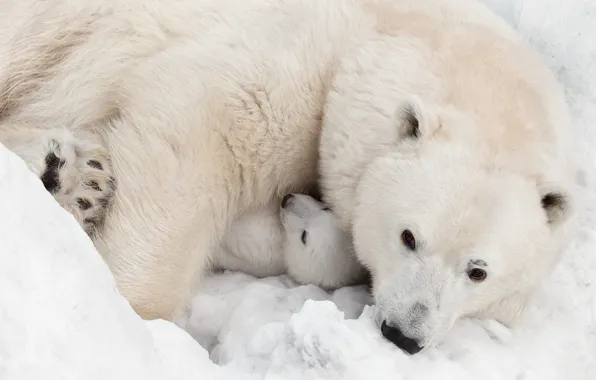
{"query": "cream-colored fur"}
(208, 108)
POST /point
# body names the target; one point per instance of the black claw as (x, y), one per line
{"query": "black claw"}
(112, 183)
(95, 164)
(94, 185)
(84, 204)
(104, 202)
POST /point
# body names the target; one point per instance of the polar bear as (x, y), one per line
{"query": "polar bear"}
(439, 137)
(298, 236)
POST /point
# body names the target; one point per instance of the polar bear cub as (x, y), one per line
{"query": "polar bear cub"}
(300, 236)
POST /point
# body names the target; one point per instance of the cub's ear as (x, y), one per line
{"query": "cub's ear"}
(413, 120)
(506, 310)
(556, 203)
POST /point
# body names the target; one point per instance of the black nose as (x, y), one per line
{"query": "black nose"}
(285, 200)
(395, 336)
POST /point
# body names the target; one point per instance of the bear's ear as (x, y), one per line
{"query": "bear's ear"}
(556, 204)
(506, 310)
(412, 120)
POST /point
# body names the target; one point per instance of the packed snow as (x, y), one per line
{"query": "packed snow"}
(61, 316)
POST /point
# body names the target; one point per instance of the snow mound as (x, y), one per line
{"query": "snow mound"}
(61, 316)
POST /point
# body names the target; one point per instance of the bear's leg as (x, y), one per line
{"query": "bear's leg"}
(157, 242)
(76, 170)
(174, 201)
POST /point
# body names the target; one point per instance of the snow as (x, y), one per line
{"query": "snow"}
(61, 316)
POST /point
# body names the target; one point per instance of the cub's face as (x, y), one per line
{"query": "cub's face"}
(445, 237)
(309, 226)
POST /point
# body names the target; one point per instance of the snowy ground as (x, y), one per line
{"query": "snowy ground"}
(61, 316)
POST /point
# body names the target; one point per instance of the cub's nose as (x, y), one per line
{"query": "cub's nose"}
(394, 335)
(284, 201)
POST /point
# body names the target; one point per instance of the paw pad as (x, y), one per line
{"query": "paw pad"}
(83, 204)
(95, 164)
(51, 177)
(90, 224)
(93, 185)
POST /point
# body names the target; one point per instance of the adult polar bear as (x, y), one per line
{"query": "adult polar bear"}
(442, 139)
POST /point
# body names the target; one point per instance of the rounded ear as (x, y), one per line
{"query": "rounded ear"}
(556, 203)
(413, 120)
(507, 310)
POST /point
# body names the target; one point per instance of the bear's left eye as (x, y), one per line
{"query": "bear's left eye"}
(407, 237)
(303, 237)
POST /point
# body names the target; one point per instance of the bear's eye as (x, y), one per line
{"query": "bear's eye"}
(303, 237)
(407, 237)
(477, 274)
(326, 209)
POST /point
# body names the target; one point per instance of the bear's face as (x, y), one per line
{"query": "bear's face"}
(445, 236)
(454, 178)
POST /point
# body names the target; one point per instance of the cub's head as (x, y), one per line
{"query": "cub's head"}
(308, 224)
(316, 250)
(447, 227)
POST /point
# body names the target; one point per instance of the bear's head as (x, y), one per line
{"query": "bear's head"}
(448, 225)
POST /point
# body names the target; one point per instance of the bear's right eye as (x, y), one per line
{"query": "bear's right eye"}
(407, 237)
(303, 237)
(477, 275)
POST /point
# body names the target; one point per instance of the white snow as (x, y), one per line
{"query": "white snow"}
(61, 316)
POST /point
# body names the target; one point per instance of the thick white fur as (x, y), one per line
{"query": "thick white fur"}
(270, 241)
(430, 115)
